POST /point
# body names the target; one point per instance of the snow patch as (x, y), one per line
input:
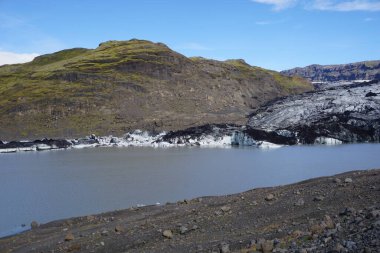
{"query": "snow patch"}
(268, 145)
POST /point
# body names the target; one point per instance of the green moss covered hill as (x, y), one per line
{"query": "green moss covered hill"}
(125, 85)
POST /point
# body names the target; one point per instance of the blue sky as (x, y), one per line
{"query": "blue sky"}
(275, 34)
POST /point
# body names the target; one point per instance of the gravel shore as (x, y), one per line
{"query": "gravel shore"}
(330, 214)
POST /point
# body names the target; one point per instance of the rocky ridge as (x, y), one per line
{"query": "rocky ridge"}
(367, 70)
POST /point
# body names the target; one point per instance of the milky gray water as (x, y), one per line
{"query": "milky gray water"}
(45, 186)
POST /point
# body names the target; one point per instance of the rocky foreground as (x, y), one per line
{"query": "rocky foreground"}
(330, 214)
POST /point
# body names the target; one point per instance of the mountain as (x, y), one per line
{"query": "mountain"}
(366, 70)
(127, 85)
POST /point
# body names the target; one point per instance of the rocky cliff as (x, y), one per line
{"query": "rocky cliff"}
(127, 85)
(367, 70)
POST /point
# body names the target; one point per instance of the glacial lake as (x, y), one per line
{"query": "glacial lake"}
(50, 185)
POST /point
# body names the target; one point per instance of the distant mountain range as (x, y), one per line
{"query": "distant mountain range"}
(126, 85)
(366, 70)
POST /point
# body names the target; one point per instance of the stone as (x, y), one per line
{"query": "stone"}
(370, 94)
(318, 198)
(331, 232)
(329, 223)
(114, 140)
(348, 180)
(338, 247)
(337, 181)
(299, 202)
(34, 224)
(102, 243)
(267, 246)
(183, 230)
(316, 229)
(119, 229)
(374, 214)
(90, 217)
(269, 197)
(104, 233)
(350, 245)
(168, 234)
(297, 233)
(225, 209)
(224, 248)
(69, 237)
(347, 211)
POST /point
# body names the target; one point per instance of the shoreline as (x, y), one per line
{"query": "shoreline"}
(286, 218)
(222, 135)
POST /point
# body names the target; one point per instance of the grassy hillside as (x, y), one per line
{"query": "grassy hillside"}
(124, 85)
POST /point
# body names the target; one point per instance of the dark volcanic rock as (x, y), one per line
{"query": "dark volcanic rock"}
(240, 135)
(17, 144)
(54, 143)
(371, 94)
(86, 141)
(36, 145)
(344, 113)
(195, 134)
(277, 137)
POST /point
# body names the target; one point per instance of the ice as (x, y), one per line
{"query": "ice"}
(327, 141)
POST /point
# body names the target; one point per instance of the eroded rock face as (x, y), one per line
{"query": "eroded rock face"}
(368, 70)
(342, 113)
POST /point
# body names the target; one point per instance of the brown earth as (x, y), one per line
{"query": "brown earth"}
(329, 214)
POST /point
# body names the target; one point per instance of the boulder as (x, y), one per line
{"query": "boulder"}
(69, 237)
(168, 234)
